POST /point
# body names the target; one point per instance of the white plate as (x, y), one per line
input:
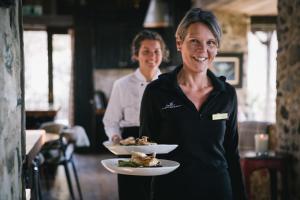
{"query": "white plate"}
(167, 167)
(147, 149)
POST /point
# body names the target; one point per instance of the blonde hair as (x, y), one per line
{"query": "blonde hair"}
(195, 15)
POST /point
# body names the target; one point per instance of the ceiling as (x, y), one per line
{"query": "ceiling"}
(248, 7)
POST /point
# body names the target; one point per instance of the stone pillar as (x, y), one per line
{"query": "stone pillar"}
(288, 87)
(11, 101)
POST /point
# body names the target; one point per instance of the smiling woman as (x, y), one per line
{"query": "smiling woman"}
(201, 112)
(121, 119)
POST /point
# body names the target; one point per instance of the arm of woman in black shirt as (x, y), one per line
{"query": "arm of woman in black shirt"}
(232, 152)
(149, 115)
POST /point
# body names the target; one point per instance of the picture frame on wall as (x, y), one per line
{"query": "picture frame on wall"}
(229, 65)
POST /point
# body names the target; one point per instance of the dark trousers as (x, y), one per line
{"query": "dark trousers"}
(192, 183)
(133, 187)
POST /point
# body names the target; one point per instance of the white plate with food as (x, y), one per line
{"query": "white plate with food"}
(118, 149)
(166, 166)
(143, 144)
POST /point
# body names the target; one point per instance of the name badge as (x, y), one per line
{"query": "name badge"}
(219, 116)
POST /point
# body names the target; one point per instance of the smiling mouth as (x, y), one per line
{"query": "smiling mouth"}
(199, 59)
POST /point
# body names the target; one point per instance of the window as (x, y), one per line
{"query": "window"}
(261, 76)
(62, 74)
(36, 68)
(37, 76)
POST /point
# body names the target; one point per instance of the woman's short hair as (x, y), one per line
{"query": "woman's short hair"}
(148, 35)
(195, 15)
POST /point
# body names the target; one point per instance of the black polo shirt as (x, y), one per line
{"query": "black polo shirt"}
(207, 139)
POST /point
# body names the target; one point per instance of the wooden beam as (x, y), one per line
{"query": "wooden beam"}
(41, 22)
(50, 68)
(263, 23)
(248, 7)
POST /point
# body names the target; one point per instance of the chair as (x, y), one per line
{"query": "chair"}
(52, 127)
(273, 163)
(60, 152)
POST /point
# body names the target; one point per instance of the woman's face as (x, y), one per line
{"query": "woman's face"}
(149, 55)
(198, 49)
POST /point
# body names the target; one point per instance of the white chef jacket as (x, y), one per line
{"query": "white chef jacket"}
(123, 109)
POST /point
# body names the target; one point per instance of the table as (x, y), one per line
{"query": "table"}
(35, 116)
(35, 139)
(34, 142)
(51, 137)
(273, 162)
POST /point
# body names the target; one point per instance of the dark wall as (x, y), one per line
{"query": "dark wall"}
(83, 75)
(116, 24)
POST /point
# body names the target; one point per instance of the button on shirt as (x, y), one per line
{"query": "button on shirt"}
(123, 108)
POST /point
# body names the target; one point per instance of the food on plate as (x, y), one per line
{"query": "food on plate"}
(144, 140)
(128, 141)
(139, 159)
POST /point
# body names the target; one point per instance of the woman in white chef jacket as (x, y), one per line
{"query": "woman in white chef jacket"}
(121, 118)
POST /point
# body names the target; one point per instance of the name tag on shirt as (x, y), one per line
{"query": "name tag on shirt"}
(219, 116)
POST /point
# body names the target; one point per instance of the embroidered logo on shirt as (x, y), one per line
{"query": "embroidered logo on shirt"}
(171, 105)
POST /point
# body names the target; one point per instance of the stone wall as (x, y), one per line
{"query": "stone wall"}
(10, 104)
(235, 28)
(288, 90)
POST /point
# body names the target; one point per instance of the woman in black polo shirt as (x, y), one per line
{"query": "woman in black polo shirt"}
(193, 108)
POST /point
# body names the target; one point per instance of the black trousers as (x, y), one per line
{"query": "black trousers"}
(193, 183)
(133, 187)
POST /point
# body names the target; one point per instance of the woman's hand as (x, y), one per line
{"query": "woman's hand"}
(116, 139)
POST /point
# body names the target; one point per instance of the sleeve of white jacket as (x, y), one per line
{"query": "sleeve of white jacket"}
(113, 113)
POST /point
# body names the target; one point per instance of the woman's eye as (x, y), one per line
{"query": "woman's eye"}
(211, 43)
